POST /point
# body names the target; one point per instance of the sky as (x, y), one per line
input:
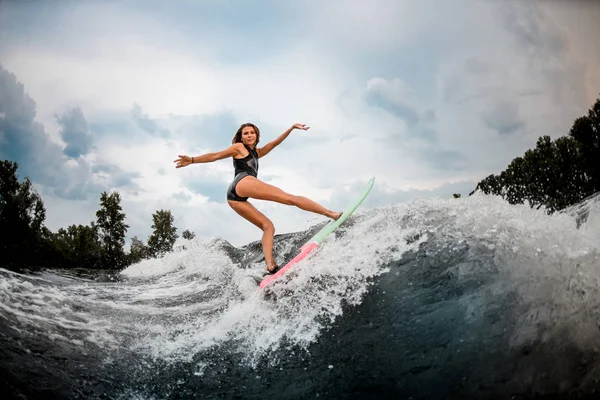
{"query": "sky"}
(429, 97)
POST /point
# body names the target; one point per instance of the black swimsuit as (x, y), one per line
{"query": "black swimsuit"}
(243, 167)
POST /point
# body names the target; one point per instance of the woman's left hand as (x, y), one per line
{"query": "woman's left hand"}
(183, 161)
(301, 126)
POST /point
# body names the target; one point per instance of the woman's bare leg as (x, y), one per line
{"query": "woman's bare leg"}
(250, 212)
(256, 189)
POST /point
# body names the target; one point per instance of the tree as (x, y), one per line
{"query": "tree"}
(162, 239)
(138, 251)
(85, 245)
(188, 235)
(22, 215)
(112, 228)
(556, 174)
(78, 246)
(586, 132)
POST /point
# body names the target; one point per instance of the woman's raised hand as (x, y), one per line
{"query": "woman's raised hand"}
(183, 161)
(301, 126)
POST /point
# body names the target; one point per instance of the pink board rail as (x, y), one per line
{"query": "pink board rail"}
(304, 251)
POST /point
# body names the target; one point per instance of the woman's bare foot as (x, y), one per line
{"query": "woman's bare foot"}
(272, 268)
(336, 215)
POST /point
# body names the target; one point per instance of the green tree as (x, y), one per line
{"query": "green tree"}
(138, 251)
(586, 132)
(78, 246)
(556, 174)
(188, 235)
(61, 245)
(22, 215)
(490, 185)
(164, 235)
(85, 245)
(110, 221)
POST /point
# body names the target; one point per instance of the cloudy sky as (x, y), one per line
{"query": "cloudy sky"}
(429, 97)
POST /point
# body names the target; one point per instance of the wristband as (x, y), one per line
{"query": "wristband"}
(192, 160)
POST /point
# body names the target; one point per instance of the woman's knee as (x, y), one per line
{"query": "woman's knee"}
(268, 227)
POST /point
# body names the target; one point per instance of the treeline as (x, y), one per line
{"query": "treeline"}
(27, 242)
(557, 173)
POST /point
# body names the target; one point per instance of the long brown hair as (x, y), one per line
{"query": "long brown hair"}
(238, 135)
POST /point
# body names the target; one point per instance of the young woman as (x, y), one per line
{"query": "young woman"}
(247, 185)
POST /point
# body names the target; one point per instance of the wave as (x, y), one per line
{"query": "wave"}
(429, 299)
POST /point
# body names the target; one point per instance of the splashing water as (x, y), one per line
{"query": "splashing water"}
(538, 271)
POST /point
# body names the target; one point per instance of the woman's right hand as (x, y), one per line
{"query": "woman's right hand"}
(183, 161)
(301, 126)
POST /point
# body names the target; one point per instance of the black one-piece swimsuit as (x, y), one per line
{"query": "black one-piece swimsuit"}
(243, 167)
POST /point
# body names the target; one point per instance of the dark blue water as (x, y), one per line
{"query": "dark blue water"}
(447, 299)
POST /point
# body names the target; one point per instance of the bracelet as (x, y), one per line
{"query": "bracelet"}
(192, 160)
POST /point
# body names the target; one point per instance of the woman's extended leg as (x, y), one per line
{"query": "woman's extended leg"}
(250, 212)
(256, 189)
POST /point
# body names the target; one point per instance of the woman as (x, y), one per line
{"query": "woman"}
(247, 185)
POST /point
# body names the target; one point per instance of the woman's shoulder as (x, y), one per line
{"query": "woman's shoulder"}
(241, 150)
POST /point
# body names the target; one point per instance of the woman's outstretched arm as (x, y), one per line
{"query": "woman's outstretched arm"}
(263, 151)
(184, 161)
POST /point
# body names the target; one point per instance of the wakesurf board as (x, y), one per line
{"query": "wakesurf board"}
(314, 242)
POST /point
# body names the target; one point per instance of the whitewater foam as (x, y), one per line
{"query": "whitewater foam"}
(309, 298)
(184, 305)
